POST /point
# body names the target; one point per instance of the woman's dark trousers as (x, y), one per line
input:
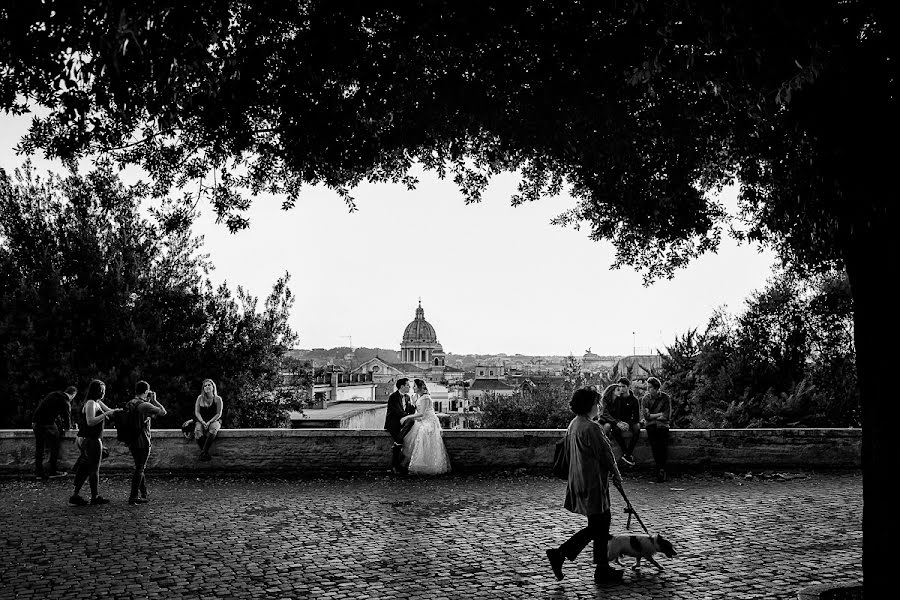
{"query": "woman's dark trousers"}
(597, 530)
(89, 465)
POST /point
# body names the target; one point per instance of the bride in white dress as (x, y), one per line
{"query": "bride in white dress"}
(424, 444)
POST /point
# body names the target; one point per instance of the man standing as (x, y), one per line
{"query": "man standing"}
(656, 408)
(51, 418)
(624, 415)
(398, 406)
(142, 408)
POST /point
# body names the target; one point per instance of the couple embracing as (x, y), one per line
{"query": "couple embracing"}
(418, 447)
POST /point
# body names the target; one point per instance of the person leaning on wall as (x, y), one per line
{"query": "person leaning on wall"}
(51, 418)
(656, 410)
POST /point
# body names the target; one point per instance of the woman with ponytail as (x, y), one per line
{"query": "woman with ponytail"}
(91, 420)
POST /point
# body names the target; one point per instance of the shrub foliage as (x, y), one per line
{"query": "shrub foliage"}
(787, 361)
(95, 282)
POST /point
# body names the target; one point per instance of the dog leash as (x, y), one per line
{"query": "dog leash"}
(630, 510)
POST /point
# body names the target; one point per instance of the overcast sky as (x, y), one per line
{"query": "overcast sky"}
(492, 278)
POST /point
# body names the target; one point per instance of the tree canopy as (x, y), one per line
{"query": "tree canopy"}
(640, 107)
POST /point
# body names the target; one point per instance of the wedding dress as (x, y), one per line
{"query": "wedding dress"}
(427, 454)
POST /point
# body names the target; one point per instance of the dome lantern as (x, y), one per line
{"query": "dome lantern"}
(419, 330)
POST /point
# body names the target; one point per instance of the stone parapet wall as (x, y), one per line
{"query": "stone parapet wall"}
(336, 450)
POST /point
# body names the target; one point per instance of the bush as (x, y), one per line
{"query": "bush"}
(543, 407)
(92, 285)
(786, 361)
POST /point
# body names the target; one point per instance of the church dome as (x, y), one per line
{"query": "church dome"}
(419, 330)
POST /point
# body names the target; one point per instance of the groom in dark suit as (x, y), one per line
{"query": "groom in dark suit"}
(398, 406)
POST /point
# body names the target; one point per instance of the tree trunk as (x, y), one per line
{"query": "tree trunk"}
(871, 256)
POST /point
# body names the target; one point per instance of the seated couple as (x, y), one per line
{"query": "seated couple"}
(418, 447)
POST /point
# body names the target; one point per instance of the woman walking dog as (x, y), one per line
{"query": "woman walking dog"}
(591, 462)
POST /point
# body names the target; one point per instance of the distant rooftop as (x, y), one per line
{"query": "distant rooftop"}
(334, 411)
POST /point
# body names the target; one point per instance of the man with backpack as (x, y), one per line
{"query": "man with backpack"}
(138, 412)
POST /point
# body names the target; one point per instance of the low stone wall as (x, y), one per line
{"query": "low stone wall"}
(337, 450)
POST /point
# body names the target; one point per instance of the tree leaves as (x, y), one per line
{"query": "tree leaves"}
(786, 360)
(91, 288)
(640, 110)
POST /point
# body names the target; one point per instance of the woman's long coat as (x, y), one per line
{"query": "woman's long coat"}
(590, 462)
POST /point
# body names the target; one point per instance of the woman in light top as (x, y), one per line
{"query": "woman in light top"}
(208, 415)
(91, 420)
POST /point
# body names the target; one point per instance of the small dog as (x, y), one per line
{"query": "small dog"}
(639, 546)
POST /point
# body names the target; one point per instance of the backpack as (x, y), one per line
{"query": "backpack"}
(129, 424)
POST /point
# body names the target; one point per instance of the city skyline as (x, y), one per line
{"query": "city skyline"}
(492, 278)
(476, 301)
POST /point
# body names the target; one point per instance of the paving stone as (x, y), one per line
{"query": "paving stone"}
(458, 537)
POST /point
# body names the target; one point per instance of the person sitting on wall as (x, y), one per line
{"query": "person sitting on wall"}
(604, 418)
(208, 415)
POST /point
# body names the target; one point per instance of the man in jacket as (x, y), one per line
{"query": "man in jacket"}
(398, 406)
(656, 408)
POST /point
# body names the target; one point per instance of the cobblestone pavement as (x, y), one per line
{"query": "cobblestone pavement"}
(373, 536)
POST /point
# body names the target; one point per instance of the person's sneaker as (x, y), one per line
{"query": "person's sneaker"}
(77, 500)
(556, 558)
(137, 501)
(606, 574)
(628, 460)
(55, 474)
(98, 500)
(660, 476)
